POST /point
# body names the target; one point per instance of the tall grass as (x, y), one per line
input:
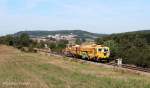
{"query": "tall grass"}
(28, 70)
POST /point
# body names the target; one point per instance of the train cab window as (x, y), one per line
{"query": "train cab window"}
(105, 49)
(99, 50)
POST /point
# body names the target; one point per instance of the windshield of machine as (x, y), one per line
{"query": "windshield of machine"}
(100, 50)
(103, 49)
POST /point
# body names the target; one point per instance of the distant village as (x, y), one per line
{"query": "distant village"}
(56, 37)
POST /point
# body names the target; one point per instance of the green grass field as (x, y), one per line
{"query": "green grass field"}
(30, 70)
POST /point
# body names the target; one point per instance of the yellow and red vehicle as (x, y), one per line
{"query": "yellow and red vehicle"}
(90, 52)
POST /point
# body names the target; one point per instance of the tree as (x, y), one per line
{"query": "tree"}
(61, 45)
(78, 41)
(24, 40)
(9, 40)
(83, 40)
(114, 48)
(52, 46)
(41, 44)
(99, 41)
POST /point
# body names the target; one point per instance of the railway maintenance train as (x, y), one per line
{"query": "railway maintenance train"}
(92, 52)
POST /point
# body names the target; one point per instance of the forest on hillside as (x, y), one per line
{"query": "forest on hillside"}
(132, 47)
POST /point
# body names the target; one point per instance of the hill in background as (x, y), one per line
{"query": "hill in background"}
(143, 31)
(79, 33)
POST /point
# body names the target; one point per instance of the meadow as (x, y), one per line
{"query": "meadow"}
(32, 70)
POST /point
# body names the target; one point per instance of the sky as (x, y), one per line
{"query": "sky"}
(98, 16)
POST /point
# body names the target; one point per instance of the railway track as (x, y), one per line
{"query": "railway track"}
(131, 67)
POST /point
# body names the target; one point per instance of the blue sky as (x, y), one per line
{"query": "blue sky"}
(99, 16)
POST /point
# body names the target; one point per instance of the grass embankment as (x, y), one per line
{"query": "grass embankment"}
(29, 70)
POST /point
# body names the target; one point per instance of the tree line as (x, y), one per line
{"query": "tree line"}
(133, 48)
(24, 43)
